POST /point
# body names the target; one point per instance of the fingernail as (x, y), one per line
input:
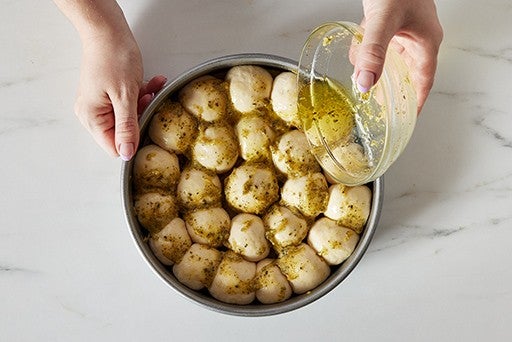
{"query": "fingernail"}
(126, 151)
(365, 80)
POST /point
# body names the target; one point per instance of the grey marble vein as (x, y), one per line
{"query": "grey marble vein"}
(5, 269)
(498, 136)
(503, 54)
(409, 233)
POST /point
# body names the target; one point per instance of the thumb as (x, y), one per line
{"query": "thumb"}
(372, 52)
(126, 126)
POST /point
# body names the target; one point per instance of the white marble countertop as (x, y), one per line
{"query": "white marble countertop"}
(438, 269)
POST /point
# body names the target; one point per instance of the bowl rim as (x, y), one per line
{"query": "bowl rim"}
(162, 271)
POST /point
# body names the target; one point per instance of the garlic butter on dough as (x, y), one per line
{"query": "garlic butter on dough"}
(232, 197)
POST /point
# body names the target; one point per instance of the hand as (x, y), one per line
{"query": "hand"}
(413, 29)
(111, 93)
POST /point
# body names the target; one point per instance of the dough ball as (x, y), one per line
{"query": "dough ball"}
(332, 241)
(303, 268)
(199, 189)
(329, 178)
(171, 243)
(154, 211)
(284, 227)
(350, 157)
(307, 193)
(284, 97)
(272, 286)
(205, 98)
(198, 266)
(155, 168)
(249, 87)
(350, 206)
(208, 226)
(247, 237)
(255, 137)
(234, 281)
(172, 128)
(216, 148)
(292, 155)
(251, 188)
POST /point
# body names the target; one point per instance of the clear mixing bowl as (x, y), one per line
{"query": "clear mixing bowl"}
(355, 136)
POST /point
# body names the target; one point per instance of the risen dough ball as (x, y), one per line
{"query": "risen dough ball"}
(255, 137)
(171, 243)
(251, 188)
(198, 189)
(216, 148)
(350, 156)
(154, 211)
(272, 286)
(155, 167)
(208, 226)
(329, 178)
(307, 193)
(284, 227)
(234, 280)
(303, 268)
(198, 266)
(332, 241)
(172, 128)
(247, 237)
(284, 97)
(249, 87)
(350, 206)
(205, 98)
(292, 155)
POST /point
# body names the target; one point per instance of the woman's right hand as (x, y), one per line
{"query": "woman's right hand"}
(410, 26)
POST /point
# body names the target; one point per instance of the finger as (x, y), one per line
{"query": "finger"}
(126, 124)
(379, 29)
(100, 126)
(144, 101)
(422, 58)
(154, 85)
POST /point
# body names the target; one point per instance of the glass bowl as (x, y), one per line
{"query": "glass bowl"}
(355, 136)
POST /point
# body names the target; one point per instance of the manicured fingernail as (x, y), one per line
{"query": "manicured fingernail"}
(126, 151)
(365, 80)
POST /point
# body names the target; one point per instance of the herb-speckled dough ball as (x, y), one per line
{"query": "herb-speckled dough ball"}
(332, 241)
(247, 237)
(205, 98)
(154, 210)
(292, 155)
(198, 266)
(216, 148)
(303, 268)
(271, 284)
(234, 281)
(171, 243)
(349, 205)
(155, 167)
(209, 226)
(307, 193)
(249, 87)
(251, 188)
(284, 97)
(172, 128)
(199, 188)
(285, 227)
(255, 137)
